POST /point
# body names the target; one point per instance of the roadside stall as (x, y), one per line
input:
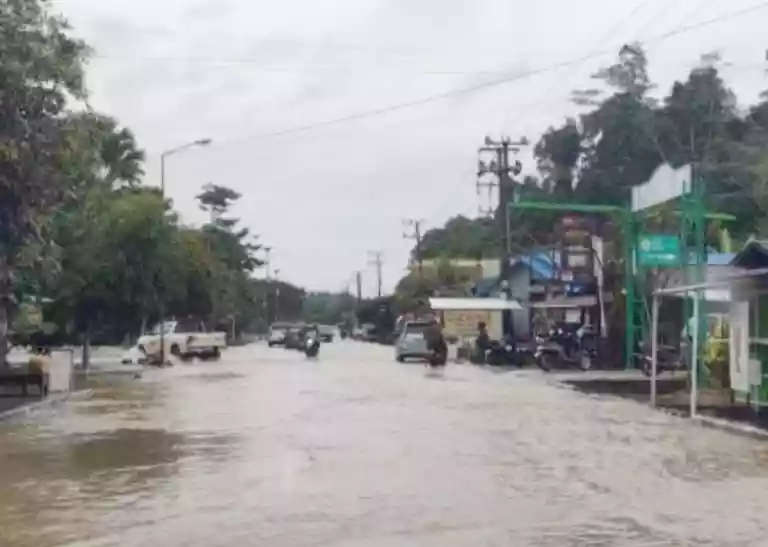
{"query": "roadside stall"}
(460, 317)
(747, 317)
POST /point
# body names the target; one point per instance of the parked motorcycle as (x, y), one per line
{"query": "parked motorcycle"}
(506, 353)
(668, 358)
(564, 348)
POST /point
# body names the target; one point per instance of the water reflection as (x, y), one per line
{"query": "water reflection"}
(357, 451)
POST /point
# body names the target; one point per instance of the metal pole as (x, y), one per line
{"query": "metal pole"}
(162, 174)
(162, 332)
(277, 296)
(162, 302)
(163, 155)
(654, 347)
(417, 227)
(695, 354)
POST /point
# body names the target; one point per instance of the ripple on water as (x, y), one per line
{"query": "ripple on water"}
(369, 453)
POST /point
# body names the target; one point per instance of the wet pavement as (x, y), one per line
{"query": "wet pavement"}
(266, 448)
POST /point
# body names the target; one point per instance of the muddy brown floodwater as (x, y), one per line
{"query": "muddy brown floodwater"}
(266, 448)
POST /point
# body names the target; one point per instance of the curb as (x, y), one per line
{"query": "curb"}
(711, 422)
(736, 428)
(51, 401)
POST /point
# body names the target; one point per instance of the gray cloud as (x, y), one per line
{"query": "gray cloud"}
(175, 70)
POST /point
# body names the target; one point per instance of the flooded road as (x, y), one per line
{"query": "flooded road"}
(265, 448)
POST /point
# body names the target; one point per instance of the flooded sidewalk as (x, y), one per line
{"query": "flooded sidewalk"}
(267, 448)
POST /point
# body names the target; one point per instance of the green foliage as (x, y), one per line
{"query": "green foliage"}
(327, 308)
(109, 255)
(41, 67)
(621, 136)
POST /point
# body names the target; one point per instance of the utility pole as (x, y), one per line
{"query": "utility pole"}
(359, 286)
(267, 285)
(415, 235)
(503, 173)
(277, 296)
(268, 260)
(378, 262)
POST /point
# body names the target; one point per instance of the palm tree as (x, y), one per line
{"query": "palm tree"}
(123, 160)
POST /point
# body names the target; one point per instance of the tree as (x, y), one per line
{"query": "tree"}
(235, 251)
(42, 67)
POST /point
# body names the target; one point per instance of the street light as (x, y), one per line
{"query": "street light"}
(163, 155)
(172, 151)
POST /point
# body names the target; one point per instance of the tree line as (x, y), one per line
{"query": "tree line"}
(623, 132)
(80, 237)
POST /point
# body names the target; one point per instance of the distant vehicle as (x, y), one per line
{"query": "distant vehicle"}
(277, 333)
(412, 342)
(293, 338)
(183, 339)
(327, 333)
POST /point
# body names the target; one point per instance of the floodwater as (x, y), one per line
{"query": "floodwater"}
(267, 448)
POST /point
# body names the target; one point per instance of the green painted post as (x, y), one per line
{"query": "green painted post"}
(693, 227)
(630, 242)
(693, 217)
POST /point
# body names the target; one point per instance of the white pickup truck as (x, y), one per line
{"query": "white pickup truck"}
(184, 340)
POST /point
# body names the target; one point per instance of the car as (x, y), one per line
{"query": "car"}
(183, 339)
(327, 333)
(133, 356)
(412, 341)
(293, 337)
(277, 334)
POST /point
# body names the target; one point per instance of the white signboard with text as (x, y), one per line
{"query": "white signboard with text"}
(666, 183)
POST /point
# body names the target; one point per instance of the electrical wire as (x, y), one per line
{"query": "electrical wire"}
(596, 52)
(614, 29)
(255, 65)
(560, 83)
(380, 111)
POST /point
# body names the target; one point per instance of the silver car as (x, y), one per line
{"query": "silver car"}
(412, 342)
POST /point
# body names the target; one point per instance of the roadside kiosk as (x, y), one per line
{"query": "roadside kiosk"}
(460, 317)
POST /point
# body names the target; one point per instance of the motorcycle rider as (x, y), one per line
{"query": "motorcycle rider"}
(482, 343)
(308, 331)
(436, 344)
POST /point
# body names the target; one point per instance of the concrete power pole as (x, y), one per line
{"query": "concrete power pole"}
(416, 235)
(503, 173)
(359, 286)
(268, 260)
(378, 262)
(265, 302)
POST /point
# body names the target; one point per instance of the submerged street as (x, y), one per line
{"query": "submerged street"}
(267, 448)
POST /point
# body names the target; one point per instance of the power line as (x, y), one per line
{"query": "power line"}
(665, 36)
(665, 7)
(255, 64)
(560, 83)
(375, 112)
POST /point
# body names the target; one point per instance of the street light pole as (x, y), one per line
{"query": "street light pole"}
(171, 152)
(163, 156)
(277, 295)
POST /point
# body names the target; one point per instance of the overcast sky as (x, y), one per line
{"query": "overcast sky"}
(243, 71)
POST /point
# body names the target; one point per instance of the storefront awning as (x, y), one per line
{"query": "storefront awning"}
(474, 304)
